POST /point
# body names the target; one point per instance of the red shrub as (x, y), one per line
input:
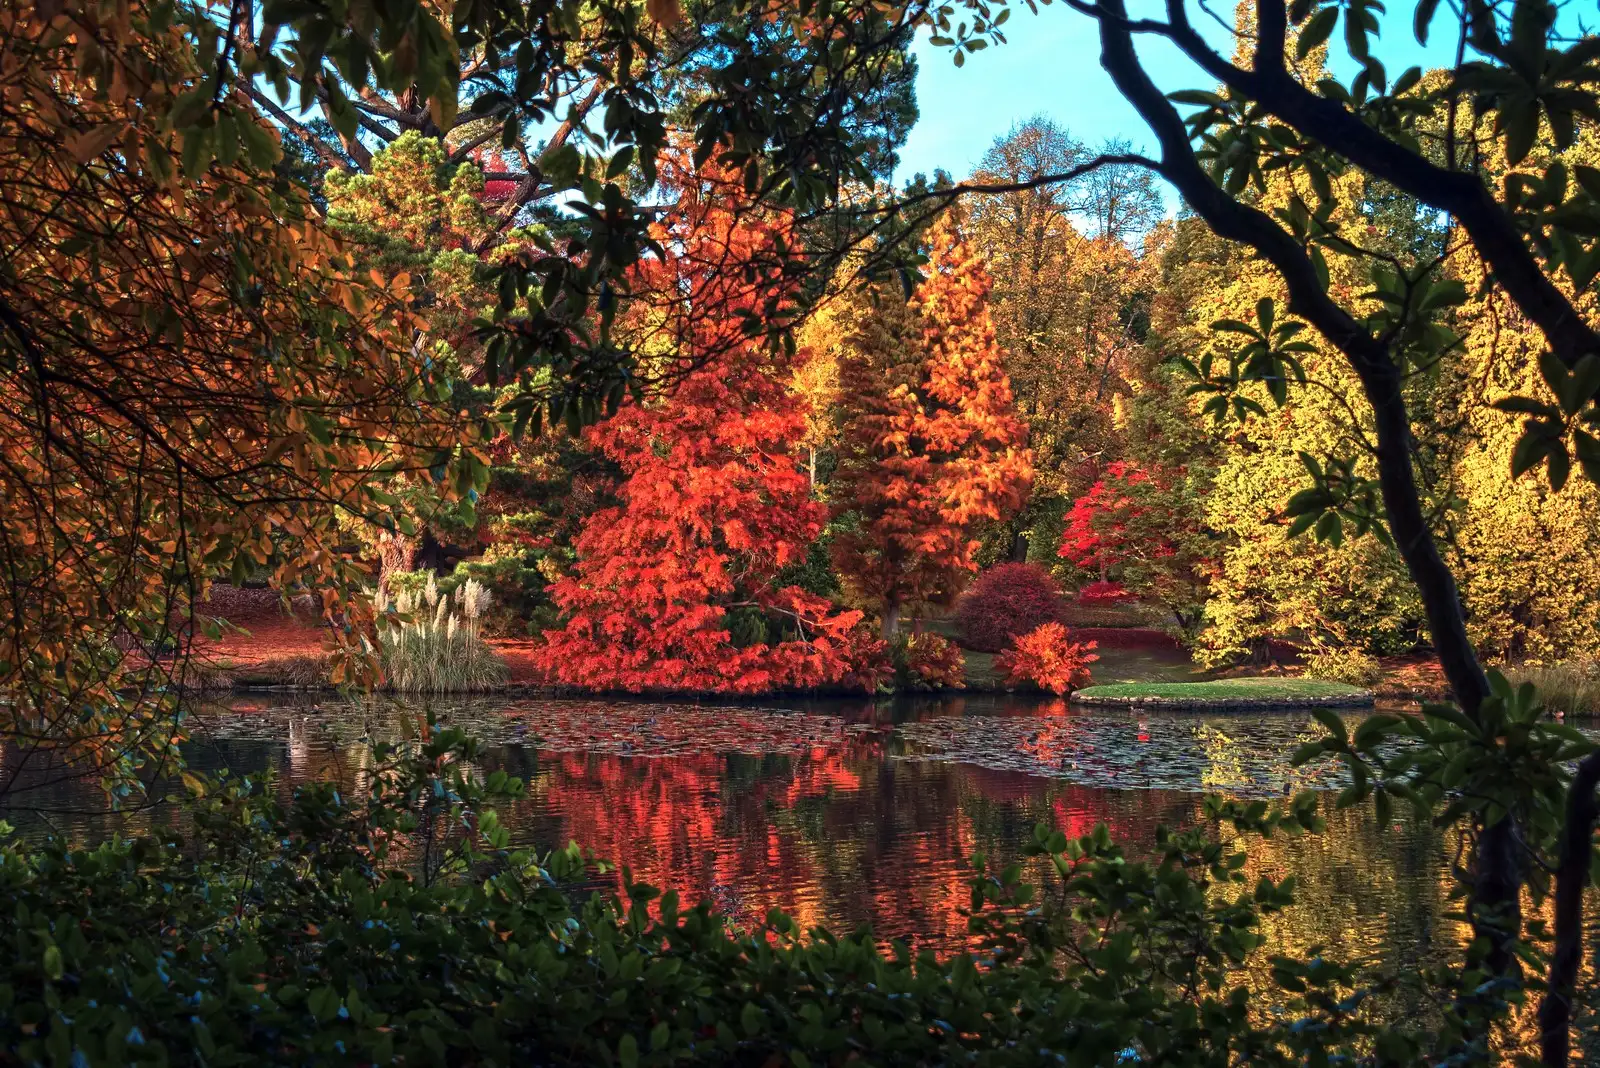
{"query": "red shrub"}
(1007, 601)
(930, 662)
(1047, 659)
(870, 666)
(1104, 592)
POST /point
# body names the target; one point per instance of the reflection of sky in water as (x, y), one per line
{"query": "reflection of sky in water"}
(855, 812)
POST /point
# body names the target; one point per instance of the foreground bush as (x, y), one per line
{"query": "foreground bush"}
(333, 930)
(1046, 657)
(1007, 601)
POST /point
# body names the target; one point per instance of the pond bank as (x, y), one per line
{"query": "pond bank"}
(1262, 693)
(275, 652)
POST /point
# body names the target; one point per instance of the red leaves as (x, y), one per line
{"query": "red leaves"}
(932, 662)
(1097, 531)
(1047, 659)
(1006, 601)
(675, 588)
(1104, 592)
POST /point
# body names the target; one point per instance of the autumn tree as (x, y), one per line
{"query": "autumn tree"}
(1069, 299)
(1141, 533)
(200, 383)
(930, 444)
(674, 585)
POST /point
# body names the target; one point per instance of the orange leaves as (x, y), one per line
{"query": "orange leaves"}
(1046, 658)
(209, 389)
(930, 444)
(665, 13)
(85, 145)
(675, 587)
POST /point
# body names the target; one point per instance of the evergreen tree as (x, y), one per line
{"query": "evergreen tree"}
(932, 448)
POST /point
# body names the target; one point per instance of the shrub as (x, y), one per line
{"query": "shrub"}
(1344, 664)
(1005, 602)
(1102, 591)
(339, 928)
(870, 662)
(1046, 658)
(928, 662)
(440, 649)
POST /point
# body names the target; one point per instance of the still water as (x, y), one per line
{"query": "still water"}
(849, 813)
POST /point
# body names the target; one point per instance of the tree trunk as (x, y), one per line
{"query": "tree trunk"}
(1577, 843)
(396, 553)
(891, 620)
(1019, 547)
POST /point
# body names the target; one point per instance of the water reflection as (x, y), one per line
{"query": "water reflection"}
(845, 814)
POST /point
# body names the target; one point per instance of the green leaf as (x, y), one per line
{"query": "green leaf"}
(628, 1051)
(1333, 723)
(1559, 465)
(261, 148)
(1523, 406)
(1521, 126)
(1317, 31)
(323, 1004)
(1560, 381)
(1587, 446)
(1585, 382)
(1589, 178)
(1529, 450)
(196, 152)
(1197, 96)
(53, 967)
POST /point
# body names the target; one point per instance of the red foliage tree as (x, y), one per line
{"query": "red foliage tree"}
(674, 585)
(1141, 533)
(1046, 657)
(932, 447)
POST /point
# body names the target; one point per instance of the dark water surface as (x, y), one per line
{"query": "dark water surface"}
(845, 813)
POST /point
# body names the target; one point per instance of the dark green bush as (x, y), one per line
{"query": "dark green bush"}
(404, 926)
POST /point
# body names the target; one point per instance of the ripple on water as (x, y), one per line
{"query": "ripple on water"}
(1248, 755)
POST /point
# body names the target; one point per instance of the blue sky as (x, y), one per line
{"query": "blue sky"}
(1050, 65)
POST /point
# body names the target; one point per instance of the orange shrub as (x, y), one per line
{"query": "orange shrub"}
(1046, 658)
(930, 662)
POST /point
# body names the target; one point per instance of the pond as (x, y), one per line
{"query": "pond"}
(844, 813)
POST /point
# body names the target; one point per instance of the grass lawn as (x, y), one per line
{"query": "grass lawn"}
(1272, 689)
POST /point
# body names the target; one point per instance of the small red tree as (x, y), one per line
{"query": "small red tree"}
(1142, 535)
(674, 585)
(932, 448)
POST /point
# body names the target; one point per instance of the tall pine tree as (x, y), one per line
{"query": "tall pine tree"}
(931, 446)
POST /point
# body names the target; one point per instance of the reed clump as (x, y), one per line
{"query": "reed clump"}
(433, 643)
